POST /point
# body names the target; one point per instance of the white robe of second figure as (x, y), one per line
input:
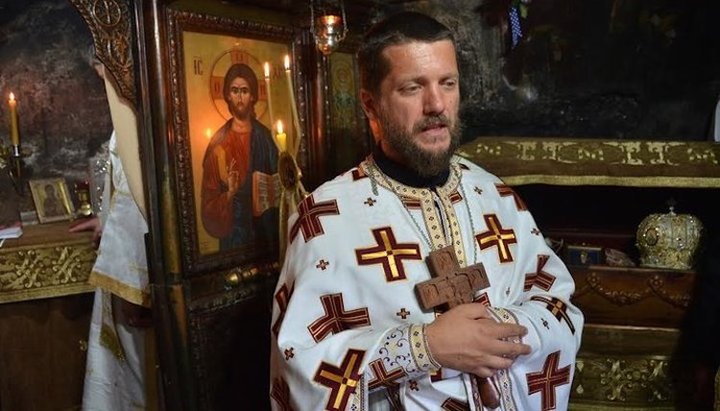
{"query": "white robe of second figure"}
(115, 370)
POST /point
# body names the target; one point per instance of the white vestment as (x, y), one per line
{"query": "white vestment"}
(115, 370)
(348, 329)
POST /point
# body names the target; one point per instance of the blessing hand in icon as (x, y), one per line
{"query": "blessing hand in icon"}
(233, 179)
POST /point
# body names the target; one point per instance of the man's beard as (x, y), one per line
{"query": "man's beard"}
(425, 163)
(245, 113)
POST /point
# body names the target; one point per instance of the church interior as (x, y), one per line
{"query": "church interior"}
(603, 116)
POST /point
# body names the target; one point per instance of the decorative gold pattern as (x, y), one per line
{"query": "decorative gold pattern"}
(109, 22)
(45, 271)
(655, 284)
(522, 160)
(627, 381)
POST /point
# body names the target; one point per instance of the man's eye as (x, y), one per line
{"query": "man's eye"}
(410, 89)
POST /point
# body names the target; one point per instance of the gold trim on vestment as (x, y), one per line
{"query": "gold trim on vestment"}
(124, 291)
(109, 340)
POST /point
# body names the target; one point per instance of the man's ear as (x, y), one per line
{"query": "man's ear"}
(368, 104)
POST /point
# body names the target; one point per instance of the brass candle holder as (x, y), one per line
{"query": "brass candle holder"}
(11, 157)
(82, 191)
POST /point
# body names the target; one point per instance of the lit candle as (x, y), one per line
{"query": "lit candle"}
(293, 105)
(266, 69)
(280, 136)
(14, 133)
(208, 133)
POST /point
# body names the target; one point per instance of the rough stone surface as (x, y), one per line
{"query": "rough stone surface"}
(63, 112)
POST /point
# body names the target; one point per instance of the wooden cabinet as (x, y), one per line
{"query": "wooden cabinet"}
(633, 326)
(45, 307)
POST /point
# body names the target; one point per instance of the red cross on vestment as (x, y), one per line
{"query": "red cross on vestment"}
(383, 378)
(455, 197)
(498, 237)
(358, 174)
(281, 394)
(451, 404)
(342, 380)
(309, 214)
(558, 309)
(506, 191)
(322, 265)
(282, 296)
(539, 278)
(483, 299)
(389, 253)
(547, 380)
(336, 318)
(403, 313)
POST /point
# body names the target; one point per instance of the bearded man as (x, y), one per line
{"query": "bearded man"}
(238, 152)
(349, 331)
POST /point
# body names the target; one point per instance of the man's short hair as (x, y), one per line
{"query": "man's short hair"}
(400, 28)
(243, 71)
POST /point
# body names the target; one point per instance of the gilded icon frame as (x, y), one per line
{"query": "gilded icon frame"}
(52, 200)
(202, 49)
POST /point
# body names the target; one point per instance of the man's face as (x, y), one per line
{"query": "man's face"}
(240, 98)
(416, 112)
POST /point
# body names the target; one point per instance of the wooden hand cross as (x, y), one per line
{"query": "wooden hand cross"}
(452, 285)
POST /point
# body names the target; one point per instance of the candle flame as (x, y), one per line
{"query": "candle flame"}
(279, 127)
(12, 96)
(286, 62)
(208, 133)
(266, 69)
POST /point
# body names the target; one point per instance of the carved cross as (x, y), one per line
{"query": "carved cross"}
(451, 285)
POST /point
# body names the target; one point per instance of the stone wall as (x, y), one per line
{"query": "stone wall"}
(605, 68)
(64, 115)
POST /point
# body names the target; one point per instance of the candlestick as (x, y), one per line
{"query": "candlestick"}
(293, 105)
(266, 69)
(281, 137)
(14, 133)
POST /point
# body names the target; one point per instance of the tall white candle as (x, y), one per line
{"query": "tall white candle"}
(266, 69)
(293, 105)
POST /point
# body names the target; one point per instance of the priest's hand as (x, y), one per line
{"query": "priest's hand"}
(466, 338)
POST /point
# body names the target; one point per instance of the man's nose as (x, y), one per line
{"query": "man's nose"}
(433, 101)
